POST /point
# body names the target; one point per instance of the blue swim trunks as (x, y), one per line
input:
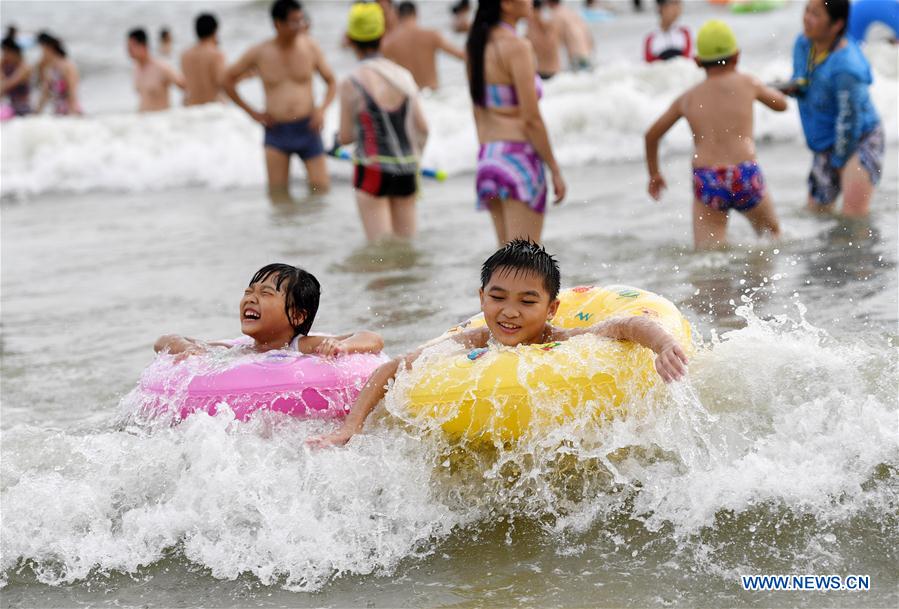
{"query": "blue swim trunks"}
(295, 137)
(740, 187)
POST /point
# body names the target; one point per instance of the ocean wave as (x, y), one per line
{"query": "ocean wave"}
(779, 423)
(592, 118)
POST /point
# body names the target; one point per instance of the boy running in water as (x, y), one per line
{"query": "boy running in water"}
(719, 111)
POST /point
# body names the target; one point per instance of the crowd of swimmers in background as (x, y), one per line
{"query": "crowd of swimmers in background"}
(381, 111)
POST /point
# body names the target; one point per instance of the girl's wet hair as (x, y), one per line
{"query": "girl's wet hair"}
(301, 292)
(524, 256)
(487, 16)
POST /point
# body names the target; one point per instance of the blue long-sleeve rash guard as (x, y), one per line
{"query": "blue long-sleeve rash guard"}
(835, 108)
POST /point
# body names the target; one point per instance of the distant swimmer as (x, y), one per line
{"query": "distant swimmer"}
(203, 65)
(726, 175)
(152, 76)
(461, 12)
(165, 43)
(671, 39)
(575, 34)
(59, 84)
(292, 121)
(415, 48)
(16, 77)
(545, 37)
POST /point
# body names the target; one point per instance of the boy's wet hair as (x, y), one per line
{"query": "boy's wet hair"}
(282, 8)
(525, 256)
(301, 292)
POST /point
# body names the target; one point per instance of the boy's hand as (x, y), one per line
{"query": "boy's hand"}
(330, 347)
(335, 438)
(671, 362)
(656, 186)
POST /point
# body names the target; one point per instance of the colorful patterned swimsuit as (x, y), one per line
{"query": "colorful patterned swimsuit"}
(510, 170)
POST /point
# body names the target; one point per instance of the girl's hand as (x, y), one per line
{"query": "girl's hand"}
(559, 187)
(336, 438)
(671, 362)
(189, 351)
(330, 347)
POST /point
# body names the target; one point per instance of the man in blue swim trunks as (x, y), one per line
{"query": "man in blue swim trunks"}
(726, 175)
(291, 119)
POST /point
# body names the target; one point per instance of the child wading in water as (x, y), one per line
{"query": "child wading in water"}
(276, 312)
(381, 112)
(719, 111)
(519, 288)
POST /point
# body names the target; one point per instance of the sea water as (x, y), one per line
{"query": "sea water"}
(777, 455)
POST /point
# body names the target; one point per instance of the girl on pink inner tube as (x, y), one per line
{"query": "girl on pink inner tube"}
(276, 366)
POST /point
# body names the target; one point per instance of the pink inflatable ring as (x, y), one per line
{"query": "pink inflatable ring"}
(303, 386)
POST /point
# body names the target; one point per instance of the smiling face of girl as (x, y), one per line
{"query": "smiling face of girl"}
(262, 313)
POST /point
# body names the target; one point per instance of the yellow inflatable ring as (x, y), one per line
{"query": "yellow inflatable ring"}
(499, 394)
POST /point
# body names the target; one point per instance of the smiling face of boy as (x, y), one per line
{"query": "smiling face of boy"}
(262, 313)
(516, 306)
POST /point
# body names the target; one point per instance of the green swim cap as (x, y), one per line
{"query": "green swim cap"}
(366, 22)
(715, 41)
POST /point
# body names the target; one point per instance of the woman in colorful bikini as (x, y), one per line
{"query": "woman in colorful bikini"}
(505, 88)
(59, 79)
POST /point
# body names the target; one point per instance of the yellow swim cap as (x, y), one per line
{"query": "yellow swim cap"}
(715, 41)
(366, 22)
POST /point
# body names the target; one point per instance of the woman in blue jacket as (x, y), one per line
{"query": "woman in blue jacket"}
(830, 79)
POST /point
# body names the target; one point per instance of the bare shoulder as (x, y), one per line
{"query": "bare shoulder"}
(514, 44)
(473, 337)
(307, 44)
(751, 80)
(256, 49)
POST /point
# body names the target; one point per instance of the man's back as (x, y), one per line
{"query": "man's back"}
(720, 113)
(203, 66)
(415, 49)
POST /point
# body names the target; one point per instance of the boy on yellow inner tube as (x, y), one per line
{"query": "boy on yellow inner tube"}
(519, 295)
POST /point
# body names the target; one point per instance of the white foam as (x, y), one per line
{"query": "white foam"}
(776, 414)
(592, 118)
